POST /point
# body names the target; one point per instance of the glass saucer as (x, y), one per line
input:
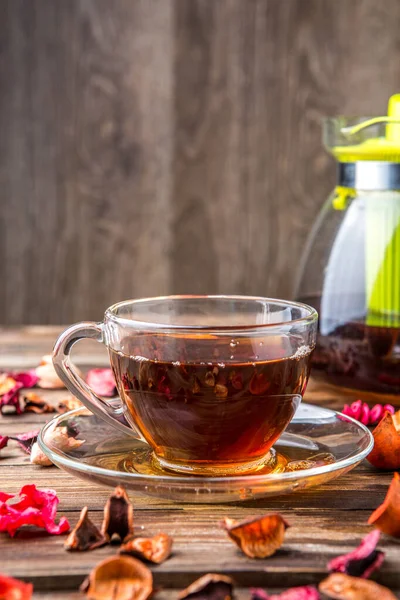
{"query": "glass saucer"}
(318, 445)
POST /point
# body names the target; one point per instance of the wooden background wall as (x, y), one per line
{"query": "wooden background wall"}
(172, 146)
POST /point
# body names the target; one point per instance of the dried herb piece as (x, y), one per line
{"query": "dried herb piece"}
(85, 535)
(46, 374)
(36, 507)
(3, 441)
(362, 561)
(38, 457)
(155, 549)
(14, 589)
(36, 404)
(386, 451)
(68, 404)
(118, 516)
(209, 587)
(119, 578)
(258, 537)
(101, 381)
(343, 587)
(386, 517)
(307, 592)
(26, 440)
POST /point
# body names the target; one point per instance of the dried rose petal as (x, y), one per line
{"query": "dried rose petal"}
(307, 592)
(101, 381)
(368, 416)
(38, 457)
(14, 589)
(36, 507)
(26, 440)
(46, 374)
(10, 385)
(3, 441)
(259, 384)
(386, 451)
(68, 404)
(386, 517)
(118, 516)
(28, 379)
(11, 399)
(119, 578)
(211, 586)
(36, 404)
(7, 383)
(59, 438)
(156, 549)
(362, 561)
(257, 537)
(85, 535)
(343, 587)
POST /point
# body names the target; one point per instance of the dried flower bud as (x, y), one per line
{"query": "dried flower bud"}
(118, 516)
(258, 537)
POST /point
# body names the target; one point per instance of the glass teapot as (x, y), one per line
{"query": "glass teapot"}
(350, 269)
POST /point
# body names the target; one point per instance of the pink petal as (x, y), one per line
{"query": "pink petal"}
(307, 592)
(356, 409)
(101, 381)
(362, 561)
(364, 416)
(36, 507)
(389, 408)
(11, 398)
(26, 440)
(28, 379)
(376, 414)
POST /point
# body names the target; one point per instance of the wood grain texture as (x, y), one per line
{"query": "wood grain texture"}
(172, 146)
(325, 521)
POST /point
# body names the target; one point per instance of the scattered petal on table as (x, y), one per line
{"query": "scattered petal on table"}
(343, 587)
(386, 451)
(38, 457)
(85, 535)
(47, 376)
(101, 381)
(307, 592)
(362, 561)
(119, 578)
(118, 516)
(368, 416)
(26, 440)
(386, 517)
(70, 403)
(36, 404)
(211, 587)
(14, 589)
(3, 441)
(258, 537)
(155, 549)
(36, 507)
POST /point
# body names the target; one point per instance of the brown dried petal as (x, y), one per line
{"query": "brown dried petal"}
(85, 535)
(343, 587)
(386, 451)
(68, 404)
(387, 516)
(36, 404)
(6, 384)
(119, 578)
(258, 537)
(221, 391)
(118, 516)
(47, 375)
(59, 438)
(211, 587)
(209, 379)
(155, 549)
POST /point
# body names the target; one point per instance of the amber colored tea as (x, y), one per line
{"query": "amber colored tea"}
(226, 406)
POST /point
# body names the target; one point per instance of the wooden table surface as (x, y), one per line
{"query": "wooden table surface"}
(325, 521)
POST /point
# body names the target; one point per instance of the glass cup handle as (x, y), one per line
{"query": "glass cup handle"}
(110, 411)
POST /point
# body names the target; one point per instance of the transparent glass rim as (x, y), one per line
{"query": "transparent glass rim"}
(308, 319)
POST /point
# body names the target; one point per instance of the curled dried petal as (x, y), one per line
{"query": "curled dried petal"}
(38, 457)
(11, 400)
(386, 517)
(307, 592)
(85, 535)
(258, 537)
(211, 586)
(101, 381)
(343, 587)
(46, 374)
(3, 441)
(68, 404)
(118, 516)
(26, 440)
(7, 383)
(36, 404)
(59, 438)
(156, 549)
(14, 589)
(36, 507)
(386, 451)
(119, 578)
(362, 561)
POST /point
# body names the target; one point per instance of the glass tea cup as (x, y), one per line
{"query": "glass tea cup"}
(209, 382)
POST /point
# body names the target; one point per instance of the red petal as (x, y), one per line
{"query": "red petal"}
(14, 589)
(101, 381)
(26, 440)
(297, 593)
(362, 561)
(28, 379)
(11, 398)
(3, 441)
(36, 507)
